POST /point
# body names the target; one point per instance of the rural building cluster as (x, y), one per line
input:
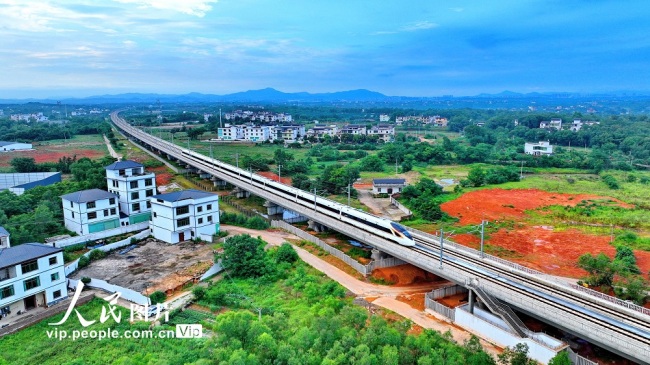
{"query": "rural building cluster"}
(297, 133)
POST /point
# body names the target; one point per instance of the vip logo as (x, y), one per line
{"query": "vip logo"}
(189, 330)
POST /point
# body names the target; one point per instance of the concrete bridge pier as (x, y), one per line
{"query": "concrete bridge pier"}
(218, 183)
(377, 255)
(318, 227)
(241, 193)
(273, 209)
(204, 175)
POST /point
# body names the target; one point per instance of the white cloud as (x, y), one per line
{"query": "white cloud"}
(419, 26)
(457, 10)
(191, 7)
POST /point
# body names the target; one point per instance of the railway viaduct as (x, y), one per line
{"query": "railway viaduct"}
(609, 323)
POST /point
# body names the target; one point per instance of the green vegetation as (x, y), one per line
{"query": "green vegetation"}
(241, 220)
(158, 297)
(421, 198)
(622, 275)
(44, 131)
(37, 213)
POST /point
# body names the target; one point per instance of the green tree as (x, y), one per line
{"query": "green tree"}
(158, 297)
(476, 176)
(516, 356)
(562, 358)
(372, 163)
(286, 253)
(24, 164)
(244, 256)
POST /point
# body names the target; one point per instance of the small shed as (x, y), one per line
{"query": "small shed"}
(14, 146)
(388, 186)
(4, 238)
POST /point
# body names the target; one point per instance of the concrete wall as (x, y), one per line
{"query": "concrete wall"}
(125, 293)
(502, 337)
(99, 235)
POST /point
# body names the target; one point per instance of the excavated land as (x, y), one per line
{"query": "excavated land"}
(152, 265)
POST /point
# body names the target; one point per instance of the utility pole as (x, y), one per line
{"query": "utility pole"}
(212, 157)
(442, 240)
(349, 195)
(521, 172)
(314, 199)
(237, 159)
(483, 223)
(220, 125)
(280, 174)
(395, 165)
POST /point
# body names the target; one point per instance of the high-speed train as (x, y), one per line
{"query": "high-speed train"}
(372, 224)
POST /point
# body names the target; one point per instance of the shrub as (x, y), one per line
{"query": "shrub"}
(611, 182)
(86, 280)
(96, 255)
(158, 297)
(75, 247)
(256, 223)
(83, 262)
(286, 253)
(198, 292)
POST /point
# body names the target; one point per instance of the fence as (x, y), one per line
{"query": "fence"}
(227, 199)
(446, 291)
(439, 308)
(125, 293)
(611, 299)
(579, 360)
(363, 269)
(400, 206)
(99, 235)
(72, 267)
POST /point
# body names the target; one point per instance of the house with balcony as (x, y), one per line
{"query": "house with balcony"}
(385, 132)
(230, 132)
(90, 211)
(134, 186)
(4, 238)
(287, 133)
(538, 149)
(256, 133)
(31, 276)
(388, 186)
(184, 215)
(554, 123)
(353, 129)
(321, 131)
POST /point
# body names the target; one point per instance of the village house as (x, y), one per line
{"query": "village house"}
(320, 131)
(385, 132)
(134, 187)
(554, 123)
(90, 211)
(31, 276)
(184, 215)
(538, 149)
(353, 129)
(388, 186)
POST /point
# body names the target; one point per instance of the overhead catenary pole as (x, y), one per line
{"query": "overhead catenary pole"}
(483, 223)
(442, 242)
(349, 188)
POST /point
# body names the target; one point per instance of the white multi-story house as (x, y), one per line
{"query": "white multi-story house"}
(184, 215)
(230, 132)
(353, 129)
(90, 211)
(4, 238)
(287, 133)
(134, 187)
(385, 132)
(320, 131)
(555, 123)
(31, 276)
(383, 118)
(538, 149)
(255, 133)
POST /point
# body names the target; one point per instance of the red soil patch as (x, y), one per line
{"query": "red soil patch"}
(47, 155)
(467, 239)
(362, 186)
(403, 275)
(414, 300)
(555, 252)
(274, 177)
(500, 204)
(163, 178)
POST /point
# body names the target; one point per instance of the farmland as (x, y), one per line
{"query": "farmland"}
(91, 146)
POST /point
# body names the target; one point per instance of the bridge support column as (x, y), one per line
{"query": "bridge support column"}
(377, 255)
(218, 183)
(273, 209)
(241, 193)
(471, 302)
(204, 175)
(316, 226)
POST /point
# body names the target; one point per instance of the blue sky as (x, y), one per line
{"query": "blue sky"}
(401, 47)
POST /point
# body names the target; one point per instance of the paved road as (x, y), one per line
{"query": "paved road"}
(380, 206)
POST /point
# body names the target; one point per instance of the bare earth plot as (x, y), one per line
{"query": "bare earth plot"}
(152, 266)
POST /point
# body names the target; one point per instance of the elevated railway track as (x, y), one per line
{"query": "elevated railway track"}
(618, 326)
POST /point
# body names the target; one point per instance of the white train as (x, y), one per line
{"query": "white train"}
(367, 222)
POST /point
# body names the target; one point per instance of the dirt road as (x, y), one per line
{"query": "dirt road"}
(111, 151)
(380, 295)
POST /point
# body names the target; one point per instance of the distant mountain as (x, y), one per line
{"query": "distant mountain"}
(271, 95)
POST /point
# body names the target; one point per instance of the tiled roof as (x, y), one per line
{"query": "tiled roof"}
(183, 195)
(389, 181)
(25, 252)
(91, 195)
(121, 165)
